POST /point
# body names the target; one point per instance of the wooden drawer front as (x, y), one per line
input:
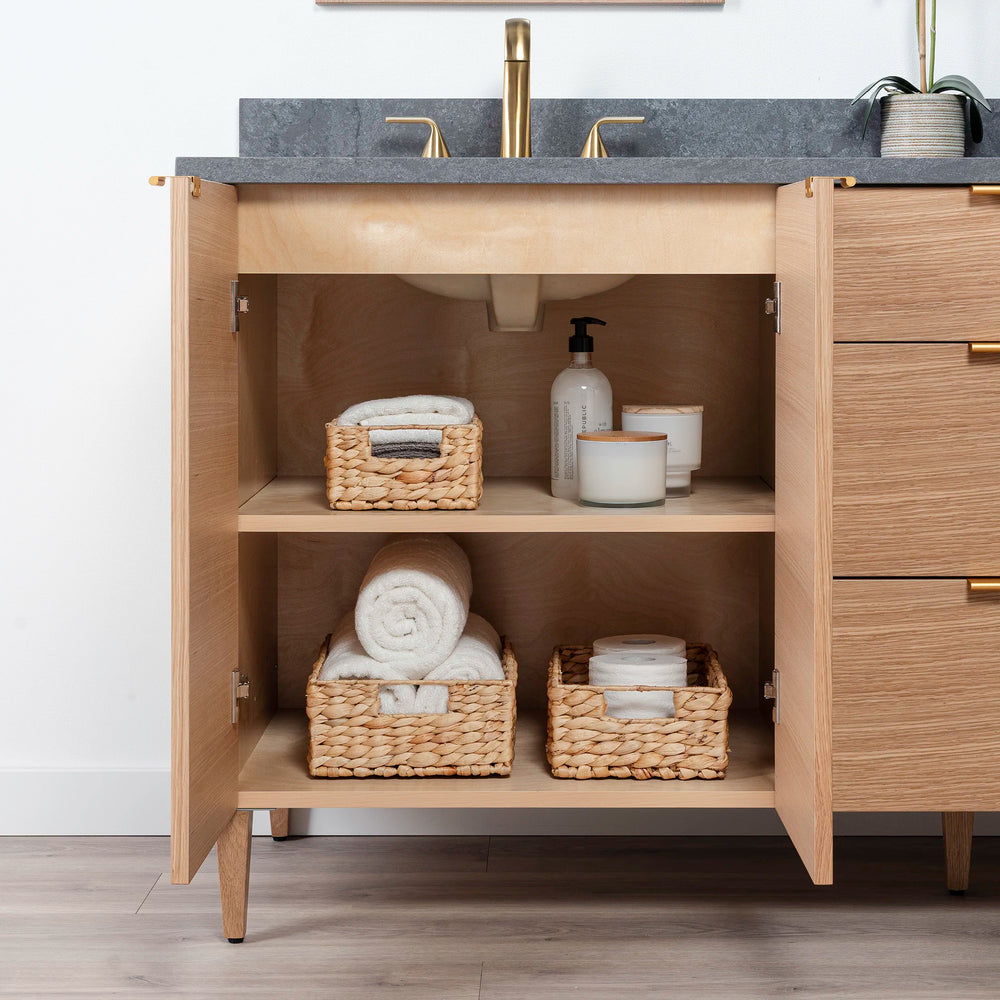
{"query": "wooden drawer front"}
(916, 696)
(916, 264)
(916, 461)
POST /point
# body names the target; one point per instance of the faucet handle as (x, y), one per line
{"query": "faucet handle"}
(435, 146)
(594, 146)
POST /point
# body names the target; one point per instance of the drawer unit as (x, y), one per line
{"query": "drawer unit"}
(916, 460)
(915, 264)
(916, 696)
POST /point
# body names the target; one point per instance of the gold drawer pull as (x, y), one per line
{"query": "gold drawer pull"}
(993, 348)
(984, 585)
(985, 189)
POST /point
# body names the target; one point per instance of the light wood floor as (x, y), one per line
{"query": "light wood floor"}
(500, 919)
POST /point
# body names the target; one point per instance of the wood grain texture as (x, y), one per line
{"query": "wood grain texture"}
(802, 541)
(298, 503)
(916, 436)
(506, 229)
(233, 850)
(957, 828)
(916, 703)
(276, 775)
(205, 756)
(542, 590)
(916, 264)
(279, 823)
(669, 339)
(258, 640)
(258, 384)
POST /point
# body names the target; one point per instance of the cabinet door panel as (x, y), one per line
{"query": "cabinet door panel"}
(803, 523)
(916, 696)
(916, 264)
(916, 472)
(205, 751)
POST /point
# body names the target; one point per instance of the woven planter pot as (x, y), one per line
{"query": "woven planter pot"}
(923, 125)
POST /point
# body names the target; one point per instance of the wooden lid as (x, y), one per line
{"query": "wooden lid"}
(636, 408)
(621, 436)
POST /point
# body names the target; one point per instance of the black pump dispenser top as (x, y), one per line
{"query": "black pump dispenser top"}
(581, 342)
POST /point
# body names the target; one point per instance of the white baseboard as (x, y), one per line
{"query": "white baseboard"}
(137, 803)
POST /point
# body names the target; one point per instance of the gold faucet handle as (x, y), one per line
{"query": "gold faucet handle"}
(435, 146)
(594, 146)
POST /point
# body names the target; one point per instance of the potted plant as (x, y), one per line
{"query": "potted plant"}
(929, 120)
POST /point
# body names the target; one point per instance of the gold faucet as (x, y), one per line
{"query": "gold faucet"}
(515, 138)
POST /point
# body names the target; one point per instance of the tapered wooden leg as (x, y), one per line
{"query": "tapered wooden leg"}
(233, 849)
(279, 824)
(958, 849)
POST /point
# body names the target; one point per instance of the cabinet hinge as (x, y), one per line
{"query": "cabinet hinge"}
(239, 305)
(772, 692)
(240, 692)
(772, 307)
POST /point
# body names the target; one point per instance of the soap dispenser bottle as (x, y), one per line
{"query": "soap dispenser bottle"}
(581, 401)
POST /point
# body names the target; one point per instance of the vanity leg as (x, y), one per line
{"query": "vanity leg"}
(233, 850)
(958, 849)
(279, 824)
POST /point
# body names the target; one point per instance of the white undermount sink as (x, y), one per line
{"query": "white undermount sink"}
(515, 302)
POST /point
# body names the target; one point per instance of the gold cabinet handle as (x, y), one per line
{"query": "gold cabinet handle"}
(435, 146)
(985, 189)
(984, 585)
(987, 348)
(594, 147)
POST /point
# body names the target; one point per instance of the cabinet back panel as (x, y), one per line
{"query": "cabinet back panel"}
(541, 590)
(670, 339)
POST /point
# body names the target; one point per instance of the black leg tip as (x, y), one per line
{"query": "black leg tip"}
(957, 892)
(279, 839)
(235, 940)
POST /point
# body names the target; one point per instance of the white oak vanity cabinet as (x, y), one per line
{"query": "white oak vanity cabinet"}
(847, 496)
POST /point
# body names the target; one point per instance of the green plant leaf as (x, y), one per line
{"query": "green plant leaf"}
(961, 85)
(975, 122)
(890, 84)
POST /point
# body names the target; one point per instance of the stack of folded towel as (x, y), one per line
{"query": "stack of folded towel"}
(412, 622)
(405, 426)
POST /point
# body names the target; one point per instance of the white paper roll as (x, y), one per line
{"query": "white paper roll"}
(655, 669)
(668, 644)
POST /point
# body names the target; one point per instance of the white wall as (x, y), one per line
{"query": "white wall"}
(96, 96)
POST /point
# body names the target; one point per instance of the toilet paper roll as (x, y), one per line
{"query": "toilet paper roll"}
(659, 670)
(668, 644)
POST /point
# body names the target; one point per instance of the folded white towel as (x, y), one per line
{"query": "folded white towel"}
(404, 435)
(397, 410)
(413, 604)
(476, 657)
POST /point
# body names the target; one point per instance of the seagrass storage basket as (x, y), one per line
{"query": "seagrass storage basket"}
(349, 736)
(584, 742)
(356, 480)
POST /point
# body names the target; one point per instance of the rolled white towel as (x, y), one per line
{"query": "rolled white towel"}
(413, 604)
(476, 658)
(397, 410)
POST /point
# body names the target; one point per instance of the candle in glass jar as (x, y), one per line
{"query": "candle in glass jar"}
(621, 468)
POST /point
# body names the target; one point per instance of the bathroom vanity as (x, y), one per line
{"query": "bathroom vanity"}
(840, 547)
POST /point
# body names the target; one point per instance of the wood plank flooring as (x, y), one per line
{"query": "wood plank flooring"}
(477, 918)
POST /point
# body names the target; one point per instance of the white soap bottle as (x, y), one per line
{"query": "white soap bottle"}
(581, 401)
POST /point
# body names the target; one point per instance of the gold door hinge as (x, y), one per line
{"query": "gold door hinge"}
(772, 307)
(239, 305)
(240, 692)
(844, 182)
(772, 692)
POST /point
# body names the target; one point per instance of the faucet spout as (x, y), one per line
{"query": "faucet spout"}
(515, 138)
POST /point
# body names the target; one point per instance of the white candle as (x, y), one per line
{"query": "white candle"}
(682, 425)
(621, 469)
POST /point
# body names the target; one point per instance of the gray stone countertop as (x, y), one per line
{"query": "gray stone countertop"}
(574, 170)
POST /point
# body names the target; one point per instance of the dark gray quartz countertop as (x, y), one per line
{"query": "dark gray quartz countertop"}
(346, 141)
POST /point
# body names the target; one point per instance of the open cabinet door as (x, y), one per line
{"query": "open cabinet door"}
(803, 521)
(204, 742)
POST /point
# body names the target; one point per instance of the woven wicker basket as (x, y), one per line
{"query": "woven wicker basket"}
(583, 742)
(357, 481)
(349, 737)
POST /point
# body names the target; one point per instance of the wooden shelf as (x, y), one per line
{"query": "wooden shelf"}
(517, 504)
(275, 776)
